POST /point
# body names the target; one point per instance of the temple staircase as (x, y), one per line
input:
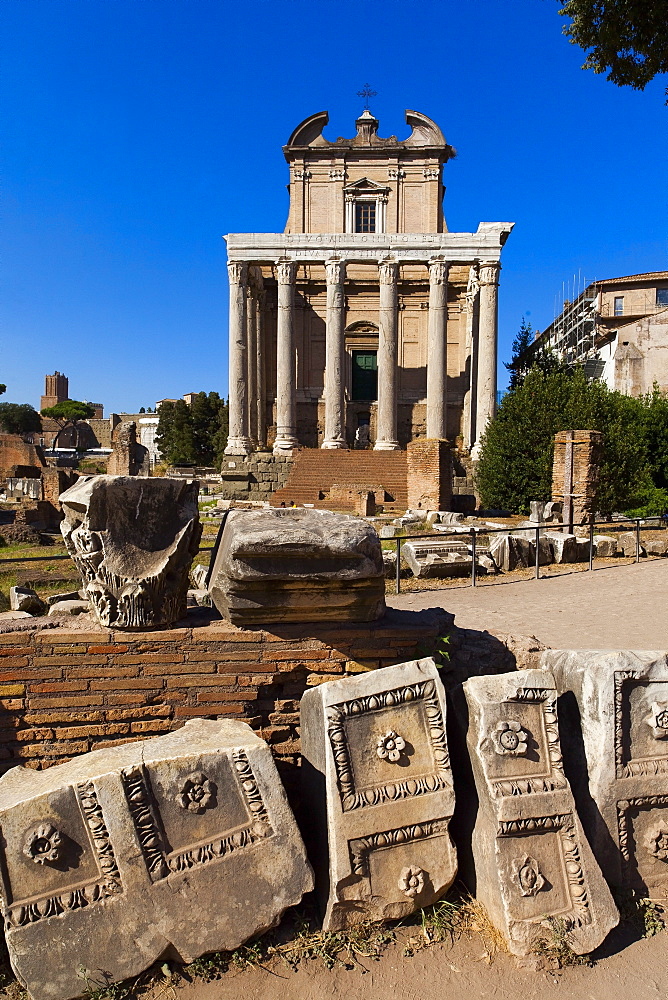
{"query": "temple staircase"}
(315, 470)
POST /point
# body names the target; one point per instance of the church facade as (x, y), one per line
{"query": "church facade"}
(366, 323)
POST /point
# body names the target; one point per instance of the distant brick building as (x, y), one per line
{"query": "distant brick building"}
(56, 390)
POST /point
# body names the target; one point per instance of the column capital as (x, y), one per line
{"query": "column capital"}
(438, 271)
(335, 271)
(286, 271)
(489, 272)
(237, 272)
(388, 271)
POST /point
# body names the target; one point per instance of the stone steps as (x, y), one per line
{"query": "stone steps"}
(315, 471)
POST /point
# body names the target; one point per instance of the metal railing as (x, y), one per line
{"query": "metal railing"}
(473, 533)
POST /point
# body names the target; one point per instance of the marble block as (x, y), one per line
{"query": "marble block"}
(280, 565)
(177, 845)
(533, 865)
(378, 784)
(615, 711)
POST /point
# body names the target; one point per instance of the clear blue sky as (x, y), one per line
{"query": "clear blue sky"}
(137, 132)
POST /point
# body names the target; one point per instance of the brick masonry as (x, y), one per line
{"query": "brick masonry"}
(584, 450)
(429, 474)
(63, 693)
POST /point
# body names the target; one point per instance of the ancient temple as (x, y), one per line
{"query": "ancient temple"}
(366, 320)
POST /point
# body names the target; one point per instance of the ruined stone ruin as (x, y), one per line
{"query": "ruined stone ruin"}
(575, 473)
(285, 565)
(532, 861)
(183, 843)
(133, 541)
(378, 785)
(128, 456)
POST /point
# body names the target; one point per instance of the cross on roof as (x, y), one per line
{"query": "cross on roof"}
(367, 93)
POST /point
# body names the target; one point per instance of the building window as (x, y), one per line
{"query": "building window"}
(662, 296)
(619, 305)
(365, 376)
(365, 216)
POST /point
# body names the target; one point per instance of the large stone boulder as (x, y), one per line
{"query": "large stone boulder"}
(564, 546)
(378, 786)
(133, 541)
(518, 550)
(437, 558)
(173, 846)
(605, 546)
(615, 726)
(25, 599)
(531, 858)
(278, 565)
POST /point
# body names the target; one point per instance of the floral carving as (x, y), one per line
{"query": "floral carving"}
(528, 876)
(197, 793)
(658, 720)
(657, 841)
(390, 745)
(510, 740)
(43, 844)
(411, 881)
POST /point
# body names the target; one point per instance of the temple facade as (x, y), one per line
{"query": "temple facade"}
(366, 323)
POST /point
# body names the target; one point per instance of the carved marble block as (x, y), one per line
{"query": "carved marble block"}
(133, 540)
(615, 711)
(533, 866)
(178, 845)
(377, 780)
(296, 565)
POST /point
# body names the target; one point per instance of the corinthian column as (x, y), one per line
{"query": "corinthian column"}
(238, 441)
(334, 403)
(488, 282)
(251, 326)
(260, 402)
(386, 429)
(286, 366)
(437, 348)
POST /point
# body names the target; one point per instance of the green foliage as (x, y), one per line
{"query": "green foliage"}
(649, 501)
(555, 945)
(195, 434)
(3, 388)
(19, 418)
(68, 411)
(628, 38)
(517, 366)
(639, 911)
(516, 459)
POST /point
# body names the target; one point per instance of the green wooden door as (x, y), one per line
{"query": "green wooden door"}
(365, 375)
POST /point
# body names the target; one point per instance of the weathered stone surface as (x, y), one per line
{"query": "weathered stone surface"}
(25, 599)
(297, 565)
(438, 558)
(627, 544)
(657, 547)
(69, 608)
(378, 783)
(389, 531)
(128, 456)
(582, 548)
(516, 552)
(605, 546)
(177, 845)
(615, 718)
(198, 575)
(564, 546)
(532, 861)
(71, 595)
(537, 510)
(133, 539)
(10, 616)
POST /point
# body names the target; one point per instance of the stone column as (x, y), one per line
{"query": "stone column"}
(238, 441)
(437, 351)
(251, 325)
(470, 353)
(334, 400)
(386, 429)
(488, 282)
(286, 362)
(261, 378)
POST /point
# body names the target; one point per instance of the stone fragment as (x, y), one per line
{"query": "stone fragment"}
(537, 510)
(627, 544)
(437, 558)
(11, 616)
(511, 552)
(69, 608)
(198, 575)
(133, 539)
(177, 845)
(615, 716)
(390, 563)
(378, 785)
(534, 870)
(605, 546)
(553, 510)
(25, 599)
(432, 517)
(297, 565)
(564, 546)
(72, 595)
(450, 517)
(657, 547)
(389, 531)
(582, 549)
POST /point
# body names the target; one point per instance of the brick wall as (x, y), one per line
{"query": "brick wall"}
(587, 447)
(429, 474)
(63, 693)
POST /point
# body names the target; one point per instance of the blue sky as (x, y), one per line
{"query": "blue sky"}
(137, 132)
